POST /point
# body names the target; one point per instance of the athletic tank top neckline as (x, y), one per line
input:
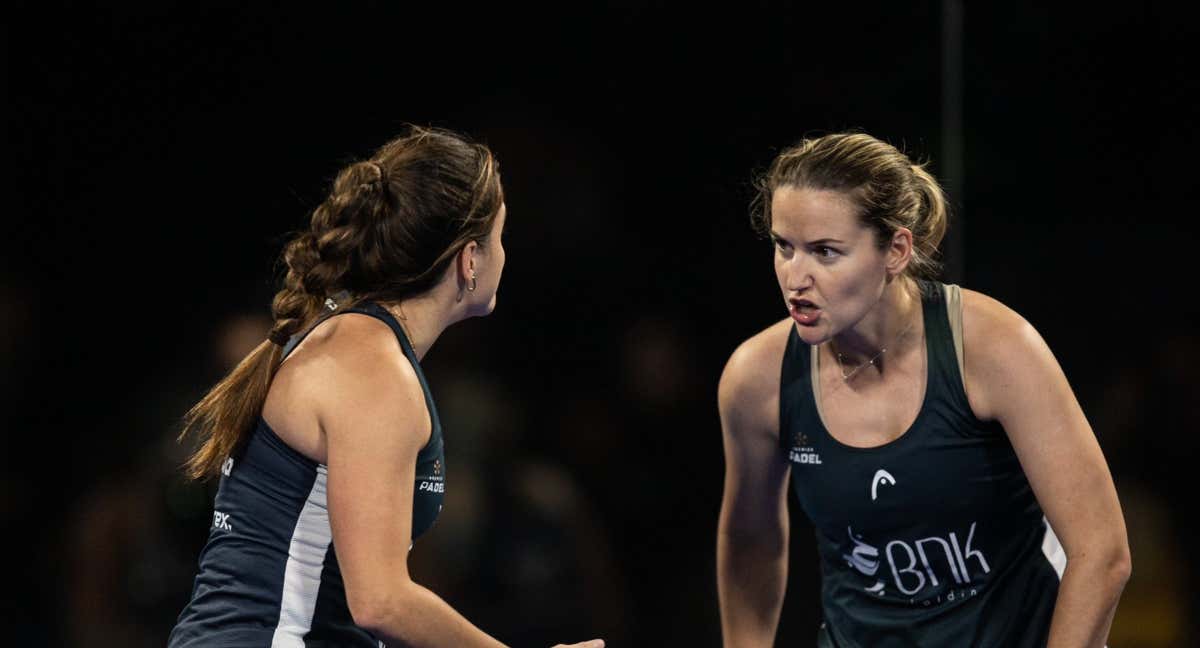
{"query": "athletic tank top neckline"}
(927, 319)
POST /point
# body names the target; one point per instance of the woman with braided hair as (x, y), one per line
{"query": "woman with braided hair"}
(927, 430)
(326, 435)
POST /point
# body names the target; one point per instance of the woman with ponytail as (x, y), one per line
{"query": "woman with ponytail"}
(326, 439)
(958, 493)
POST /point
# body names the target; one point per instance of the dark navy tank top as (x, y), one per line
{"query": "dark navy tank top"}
(934, 539)
(269, 574)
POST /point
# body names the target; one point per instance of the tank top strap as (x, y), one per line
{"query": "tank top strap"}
(434, 447)
(385, 316)
(797, 406)
(296, 339)
(944, 375)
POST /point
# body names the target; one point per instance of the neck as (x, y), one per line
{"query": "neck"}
(890, 322)
(425, 316)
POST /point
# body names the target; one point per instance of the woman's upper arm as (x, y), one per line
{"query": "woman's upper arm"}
(1021, 385)
(375, 422)
(756, 472)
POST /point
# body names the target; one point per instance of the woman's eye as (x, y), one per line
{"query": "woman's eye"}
(826, 252)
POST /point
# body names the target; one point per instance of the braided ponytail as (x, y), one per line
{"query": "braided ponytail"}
(388, 230)
(293, 305)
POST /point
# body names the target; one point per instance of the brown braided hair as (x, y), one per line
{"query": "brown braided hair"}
(389, 230)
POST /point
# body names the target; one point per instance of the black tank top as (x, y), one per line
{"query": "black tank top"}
(933, 539)
(269, 574)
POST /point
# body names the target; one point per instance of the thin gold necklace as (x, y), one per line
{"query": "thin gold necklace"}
(841, 367)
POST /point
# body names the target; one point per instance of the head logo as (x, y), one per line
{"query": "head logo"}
(881, 477)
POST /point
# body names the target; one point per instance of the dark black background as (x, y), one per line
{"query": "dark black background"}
(160, 152)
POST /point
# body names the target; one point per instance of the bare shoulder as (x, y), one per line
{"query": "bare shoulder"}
(359, 358)
(352, 350)
(992, 329)
(349, 367)
(749, 388)
(999, 347)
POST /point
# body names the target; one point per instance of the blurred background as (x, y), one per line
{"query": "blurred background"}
(160, 152)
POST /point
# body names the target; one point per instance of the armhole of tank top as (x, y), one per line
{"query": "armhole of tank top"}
(954, 314)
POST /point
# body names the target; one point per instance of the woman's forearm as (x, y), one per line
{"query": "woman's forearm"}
(1087, 599)
(751, 579)
(417, 617)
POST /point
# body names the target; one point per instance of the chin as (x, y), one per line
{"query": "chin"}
(813, 336)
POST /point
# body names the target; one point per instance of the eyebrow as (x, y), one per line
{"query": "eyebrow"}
(821, 241)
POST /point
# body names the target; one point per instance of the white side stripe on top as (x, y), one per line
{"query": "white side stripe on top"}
(1054, 553)
(302, 575)
(1053, 550)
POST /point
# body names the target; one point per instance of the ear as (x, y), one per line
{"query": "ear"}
(899, 251)
(466, 262)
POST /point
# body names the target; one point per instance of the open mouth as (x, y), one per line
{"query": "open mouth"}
(804, 311)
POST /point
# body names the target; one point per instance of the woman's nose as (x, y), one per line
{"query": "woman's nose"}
(798, 273)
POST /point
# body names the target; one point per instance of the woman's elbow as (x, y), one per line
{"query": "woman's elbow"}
(377, 612)
(1111, 564)
(1121, 564)
(369, 613)
(1106, 562)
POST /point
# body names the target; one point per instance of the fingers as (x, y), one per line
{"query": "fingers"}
(594, 643)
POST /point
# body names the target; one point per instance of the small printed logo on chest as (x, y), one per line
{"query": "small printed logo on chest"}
(802, 452)
(881, 477)
(434, 483)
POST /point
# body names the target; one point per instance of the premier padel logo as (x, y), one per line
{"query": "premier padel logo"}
(802, 452)
(434, 483)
